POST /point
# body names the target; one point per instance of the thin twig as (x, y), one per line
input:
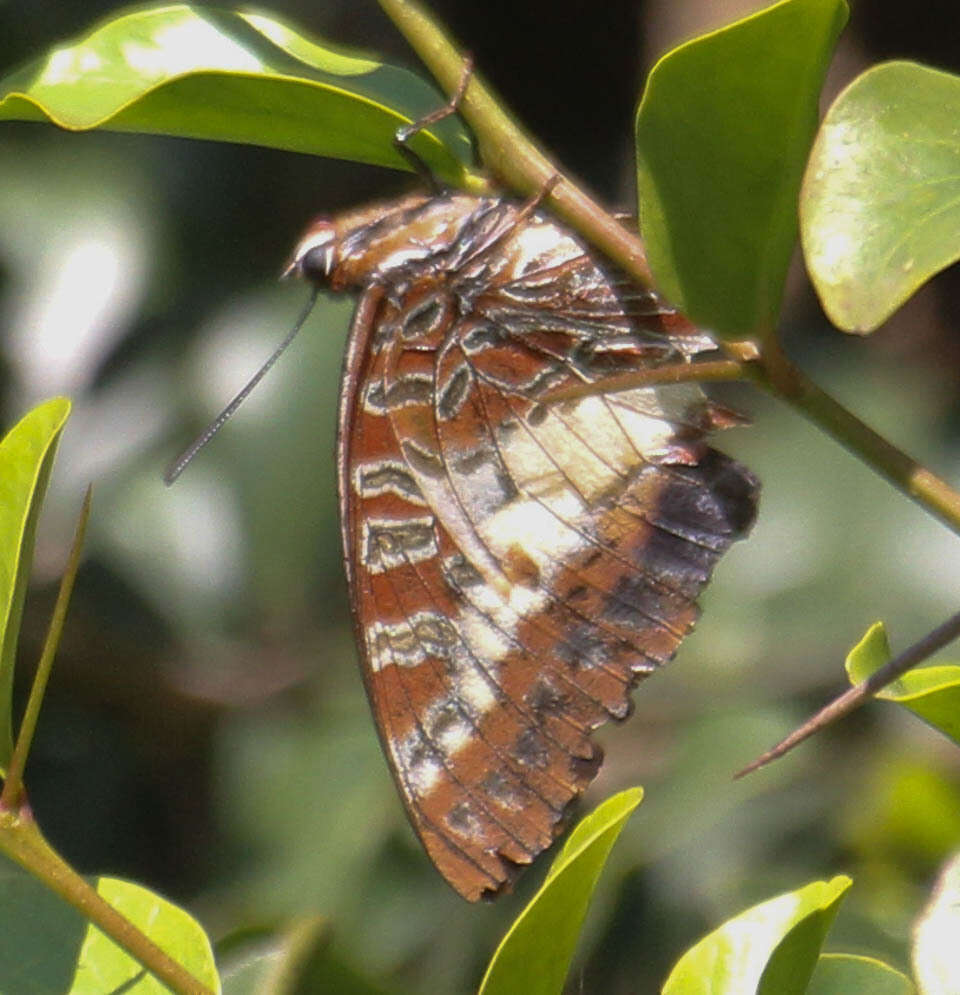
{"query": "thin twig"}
(863, 692)
(712, 371)
(784, 380)
(20, 837)
(13, 785)
(507, 150)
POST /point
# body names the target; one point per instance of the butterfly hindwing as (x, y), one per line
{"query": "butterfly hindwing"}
(515, 565)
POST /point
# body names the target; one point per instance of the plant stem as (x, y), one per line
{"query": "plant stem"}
(711, 371)
(786, 381)
(22, 841)
(513, 156)
(13, 785)
(507, 150)
(20, 837)
(845, 703)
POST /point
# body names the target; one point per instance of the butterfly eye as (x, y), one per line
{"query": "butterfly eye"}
(317, 263)
(316, 256)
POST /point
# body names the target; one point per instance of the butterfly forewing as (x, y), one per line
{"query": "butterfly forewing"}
(515, 565)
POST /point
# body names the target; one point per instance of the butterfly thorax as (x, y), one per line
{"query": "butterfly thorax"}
(498, 259)
(399, 241)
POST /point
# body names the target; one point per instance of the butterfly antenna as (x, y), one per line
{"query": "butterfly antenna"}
(180, 463)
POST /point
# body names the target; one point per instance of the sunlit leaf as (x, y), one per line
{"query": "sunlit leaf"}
(723, 133)
(47, 946)
(534, 957)
(936, 950)
(845, 974)
(770, 949)
(880, 208)
(103, 966)
(26, 457)
(871, 653)
(932, 693)
(200, 72)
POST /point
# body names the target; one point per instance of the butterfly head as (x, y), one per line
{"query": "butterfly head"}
(315, 255)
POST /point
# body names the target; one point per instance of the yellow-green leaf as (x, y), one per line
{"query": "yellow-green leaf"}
(880, 205)
(870, 654)
(103, 967)
(771, 949)
(200, 72)
(847, 974)
(534, 957)
(48, 946)
(26, 457)
(932, 693)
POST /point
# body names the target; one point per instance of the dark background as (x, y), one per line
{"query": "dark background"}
(206, 732)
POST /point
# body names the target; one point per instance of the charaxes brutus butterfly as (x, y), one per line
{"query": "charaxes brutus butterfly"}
(515, 565)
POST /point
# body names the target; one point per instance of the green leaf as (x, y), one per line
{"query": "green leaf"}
(199, 72)
(844, 974)
(534, 957)
(103, 966)
(723, 131)
(249, 975)
(302, 958)
(870, 654)
(47, 946)
(26, 457)
(932, 693)
(936, 951)
(770, 949)
(40, 935)
(880, 207)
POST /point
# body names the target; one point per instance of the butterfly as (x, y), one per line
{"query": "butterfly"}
(515, 564)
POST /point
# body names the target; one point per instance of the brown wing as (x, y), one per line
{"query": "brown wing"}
(515, 568)
(431, 687)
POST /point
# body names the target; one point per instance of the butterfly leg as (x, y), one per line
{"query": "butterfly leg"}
(531, 204)
(403, 136)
